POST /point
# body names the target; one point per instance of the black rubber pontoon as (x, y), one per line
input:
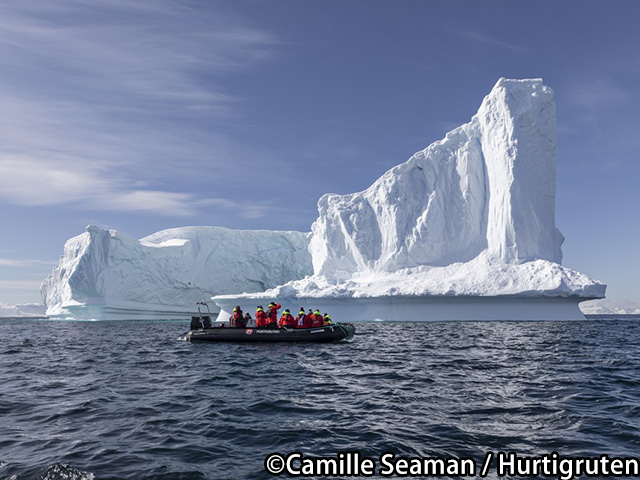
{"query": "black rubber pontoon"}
(329, 333)
(202, 330)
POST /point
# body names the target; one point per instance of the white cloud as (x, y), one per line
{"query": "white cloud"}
(25, 263)
(169, 203)
(101, 98)
(35, 182)
(246, 209)
(21, 284)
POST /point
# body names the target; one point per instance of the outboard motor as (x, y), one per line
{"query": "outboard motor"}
(198, 322)
(201, 321)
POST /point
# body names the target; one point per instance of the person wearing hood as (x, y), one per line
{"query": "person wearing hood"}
(261, 317)
(301, 319)
(272, 315)
(237, 319)
(287, 320)
(318, 319)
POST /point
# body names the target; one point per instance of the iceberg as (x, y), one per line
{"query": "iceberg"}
(25, 310)
(610, 307)
(106, 274)
(463, 230)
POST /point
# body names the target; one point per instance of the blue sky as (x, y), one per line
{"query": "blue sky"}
(153, 114)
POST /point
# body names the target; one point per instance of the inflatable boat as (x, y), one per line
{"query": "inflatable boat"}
(328, 333)
(203, 330)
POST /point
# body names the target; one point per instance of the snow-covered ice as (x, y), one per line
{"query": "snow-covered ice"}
(464, 229)
(472, 215)
(489, 185)
(108, 274)
(610, 307)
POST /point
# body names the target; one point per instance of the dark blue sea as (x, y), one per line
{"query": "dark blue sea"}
(133, 400)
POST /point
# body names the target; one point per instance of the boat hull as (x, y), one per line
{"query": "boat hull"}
(327, 334)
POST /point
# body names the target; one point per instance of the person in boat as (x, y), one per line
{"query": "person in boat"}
(318, 319)
(240, 322)
(237, 315)
(300, 319)
(261, 317)
(272, 315)
(327, 319)
(309, 319)
(248, 321)
(286, 320)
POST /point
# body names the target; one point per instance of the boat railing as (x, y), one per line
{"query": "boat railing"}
(201, 321)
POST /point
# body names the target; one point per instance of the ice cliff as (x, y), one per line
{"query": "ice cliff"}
(106, 273)
(470, 215)
(488, 186)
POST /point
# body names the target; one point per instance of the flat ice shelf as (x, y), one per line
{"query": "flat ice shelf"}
(421, 309)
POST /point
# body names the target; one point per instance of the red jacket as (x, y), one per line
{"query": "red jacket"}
(261, 318)
(308, 320)
(273, 313)
(287, 320)
(318, 321)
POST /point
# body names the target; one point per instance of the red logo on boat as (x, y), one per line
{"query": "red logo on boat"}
(249, 331)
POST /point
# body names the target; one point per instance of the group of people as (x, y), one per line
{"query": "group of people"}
(269, 318)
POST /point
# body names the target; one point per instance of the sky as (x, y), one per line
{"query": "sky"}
(154, 114)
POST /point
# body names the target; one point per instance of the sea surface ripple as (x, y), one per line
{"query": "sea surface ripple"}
(117, 400)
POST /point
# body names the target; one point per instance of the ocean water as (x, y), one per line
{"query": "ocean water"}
(119, 400)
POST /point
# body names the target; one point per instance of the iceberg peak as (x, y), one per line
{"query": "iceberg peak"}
(488, 185)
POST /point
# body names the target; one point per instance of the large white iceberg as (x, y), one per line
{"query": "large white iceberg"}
(108, 274)
(465, 229)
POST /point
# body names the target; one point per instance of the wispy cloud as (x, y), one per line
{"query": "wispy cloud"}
(21, 284)
(598, 112)
(112, 105)
(25, 263)
(35, 182)
(248, 209)
(597, 93)
(481, 38)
